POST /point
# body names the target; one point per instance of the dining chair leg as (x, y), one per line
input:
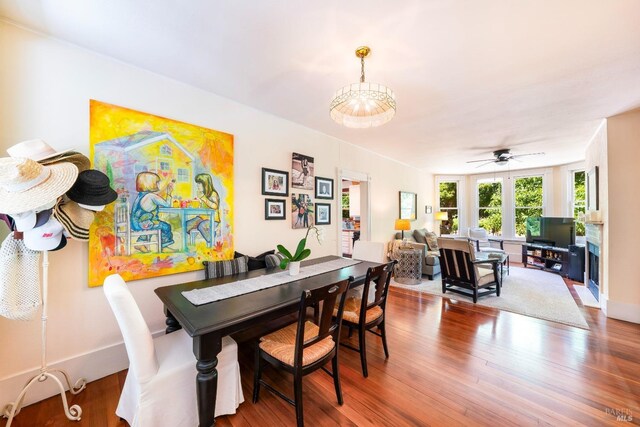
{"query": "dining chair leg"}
(363, 351)
(257, 376)
(475, 295)
(383, 334)
(336, 378)
(297, 392)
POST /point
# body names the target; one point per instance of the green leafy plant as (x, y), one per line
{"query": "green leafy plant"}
(301, 251)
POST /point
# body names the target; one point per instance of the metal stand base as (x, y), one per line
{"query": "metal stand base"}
(73, 413)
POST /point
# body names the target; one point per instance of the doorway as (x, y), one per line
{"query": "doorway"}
(355, 221)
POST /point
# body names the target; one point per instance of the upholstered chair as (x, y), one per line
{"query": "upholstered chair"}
(485, 243)
(160, 388)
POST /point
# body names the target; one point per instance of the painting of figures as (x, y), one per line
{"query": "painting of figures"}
(302, 171)
(302, 211)
(175, 195)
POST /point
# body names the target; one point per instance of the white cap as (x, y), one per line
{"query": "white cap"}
(25, 220)
(96, 208)
(45, 238)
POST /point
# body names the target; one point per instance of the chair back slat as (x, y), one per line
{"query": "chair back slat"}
(380, 278)
(329, 325)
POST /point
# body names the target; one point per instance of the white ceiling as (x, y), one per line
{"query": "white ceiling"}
(469, 76)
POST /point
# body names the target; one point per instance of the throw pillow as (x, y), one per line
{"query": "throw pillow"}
(257, 262)
(273, 260)
(432, 241)
(216, 269)
(420, 236)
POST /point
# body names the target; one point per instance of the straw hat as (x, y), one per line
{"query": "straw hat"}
(75, 220)
(26, 184)
(34, 149)
(80, 160)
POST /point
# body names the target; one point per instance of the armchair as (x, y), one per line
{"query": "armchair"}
(460, 272)
(485, 243)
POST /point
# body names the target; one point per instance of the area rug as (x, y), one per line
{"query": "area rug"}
(588, 300)
(525, 291)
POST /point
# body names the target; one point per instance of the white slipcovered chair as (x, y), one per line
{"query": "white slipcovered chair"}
(483, 242)
(160, 389)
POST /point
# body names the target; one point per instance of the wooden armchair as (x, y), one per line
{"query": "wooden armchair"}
(485, 243)
(460, 272)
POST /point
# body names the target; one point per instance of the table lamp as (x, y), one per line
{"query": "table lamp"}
(441, 216)
(402, 225)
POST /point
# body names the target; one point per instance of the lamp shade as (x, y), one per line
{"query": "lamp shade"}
(442, 216)
(403, 225)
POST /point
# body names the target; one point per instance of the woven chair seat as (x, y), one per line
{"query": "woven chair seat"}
(281, 344)
(352, 311)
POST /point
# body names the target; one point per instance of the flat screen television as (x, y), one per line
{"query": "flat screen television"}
(551, 231)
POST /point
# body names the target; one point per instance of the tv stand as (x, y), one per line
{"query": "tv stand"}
(547, 258)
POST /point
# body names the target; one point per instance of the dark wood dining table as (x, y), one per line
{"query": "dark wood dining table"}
(208, 323)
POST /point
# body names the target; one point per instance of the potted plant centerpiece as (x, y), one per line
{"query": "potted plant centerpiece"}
(301, 252)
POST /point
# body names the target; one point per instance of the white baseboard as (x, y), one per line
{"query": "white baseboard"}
(622, 311)
(91, 366)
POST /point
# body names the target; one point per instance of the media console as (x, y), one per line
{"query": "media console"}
(547, 258)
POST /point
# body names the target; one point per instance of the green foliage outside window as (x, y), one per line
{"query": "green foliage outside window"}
(579, 200)
(528, 201)
(490, 203)
(449, 203)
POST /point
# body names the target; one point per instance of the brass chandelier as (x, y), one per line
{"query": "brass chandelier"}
(363, 105)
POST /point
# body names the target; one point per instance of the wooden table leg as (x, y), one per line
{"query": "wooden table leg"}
(171, 322)
(206, 349)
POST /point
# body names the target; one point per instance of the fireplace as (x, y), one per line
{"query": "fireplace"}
(593, 273)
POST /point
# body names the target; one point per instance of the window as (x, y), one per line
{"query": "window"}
(183, 175)
(165, 166)
(490, 205)
(166, 150)
(528, 201)
(579, 200)
(448, 193)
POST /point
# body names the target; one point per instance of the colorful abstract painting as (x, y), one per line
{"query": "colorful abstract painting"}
(175, 195)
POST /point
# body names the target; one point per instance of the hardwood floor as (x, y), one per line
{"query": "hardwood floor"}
(451, 363)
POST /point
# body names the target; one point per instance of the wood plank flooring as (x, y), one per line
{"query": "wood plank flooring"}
(452, 363)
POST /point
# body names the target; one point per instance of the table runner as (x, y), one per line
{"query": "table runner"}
(215, 293)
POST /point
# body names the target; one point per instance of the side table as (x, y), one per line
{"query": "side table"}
(409, 267)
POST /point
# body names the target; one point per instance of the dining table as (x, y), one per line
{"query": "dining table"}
(208, 323)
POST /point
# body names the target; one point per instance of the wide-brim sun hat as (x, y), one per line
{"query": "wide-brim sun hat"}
(80, 160)
(75, 220)
(92, 188)
(26, 184)
(34, 149)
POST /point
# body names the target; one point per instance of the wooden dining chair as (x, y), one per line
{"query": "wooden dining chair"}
(304, 347)
(368, 311)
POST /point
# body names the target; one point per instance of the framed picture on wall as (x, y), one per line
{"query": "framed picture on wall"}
(302, 211)
(275, 208)
(324, 188)
(408, 205)
(302, 171)
(592, 190)
(323, 213)
(275, 182)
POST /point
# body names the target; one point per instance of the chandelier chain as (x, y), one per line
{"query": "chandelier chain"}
(362, 69)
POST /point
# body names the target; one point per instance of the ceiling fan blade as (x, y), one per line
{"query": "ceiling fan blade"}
(483, 160)
(484, 164)
(528, 154)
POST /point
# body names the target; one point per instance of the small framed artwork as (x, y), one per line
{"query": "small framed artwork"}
(275, 183)
(323, 213)
(428, 209)
(408, 205)
(592, 190)
(302, 211)
(324, 188)
(302, 171)
(275, 208)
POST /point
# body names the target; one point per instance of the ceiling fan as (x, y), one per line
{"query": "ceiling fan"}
(502, 157)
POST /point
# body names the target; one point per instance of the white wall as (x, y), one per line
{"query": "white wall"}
(623, 152)
(45, 88)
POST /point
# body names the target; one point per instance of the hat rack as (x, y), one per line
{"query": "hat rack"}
(73, 412)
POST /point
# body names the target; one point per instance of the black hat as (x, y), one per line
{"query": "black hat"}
(92, 188)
